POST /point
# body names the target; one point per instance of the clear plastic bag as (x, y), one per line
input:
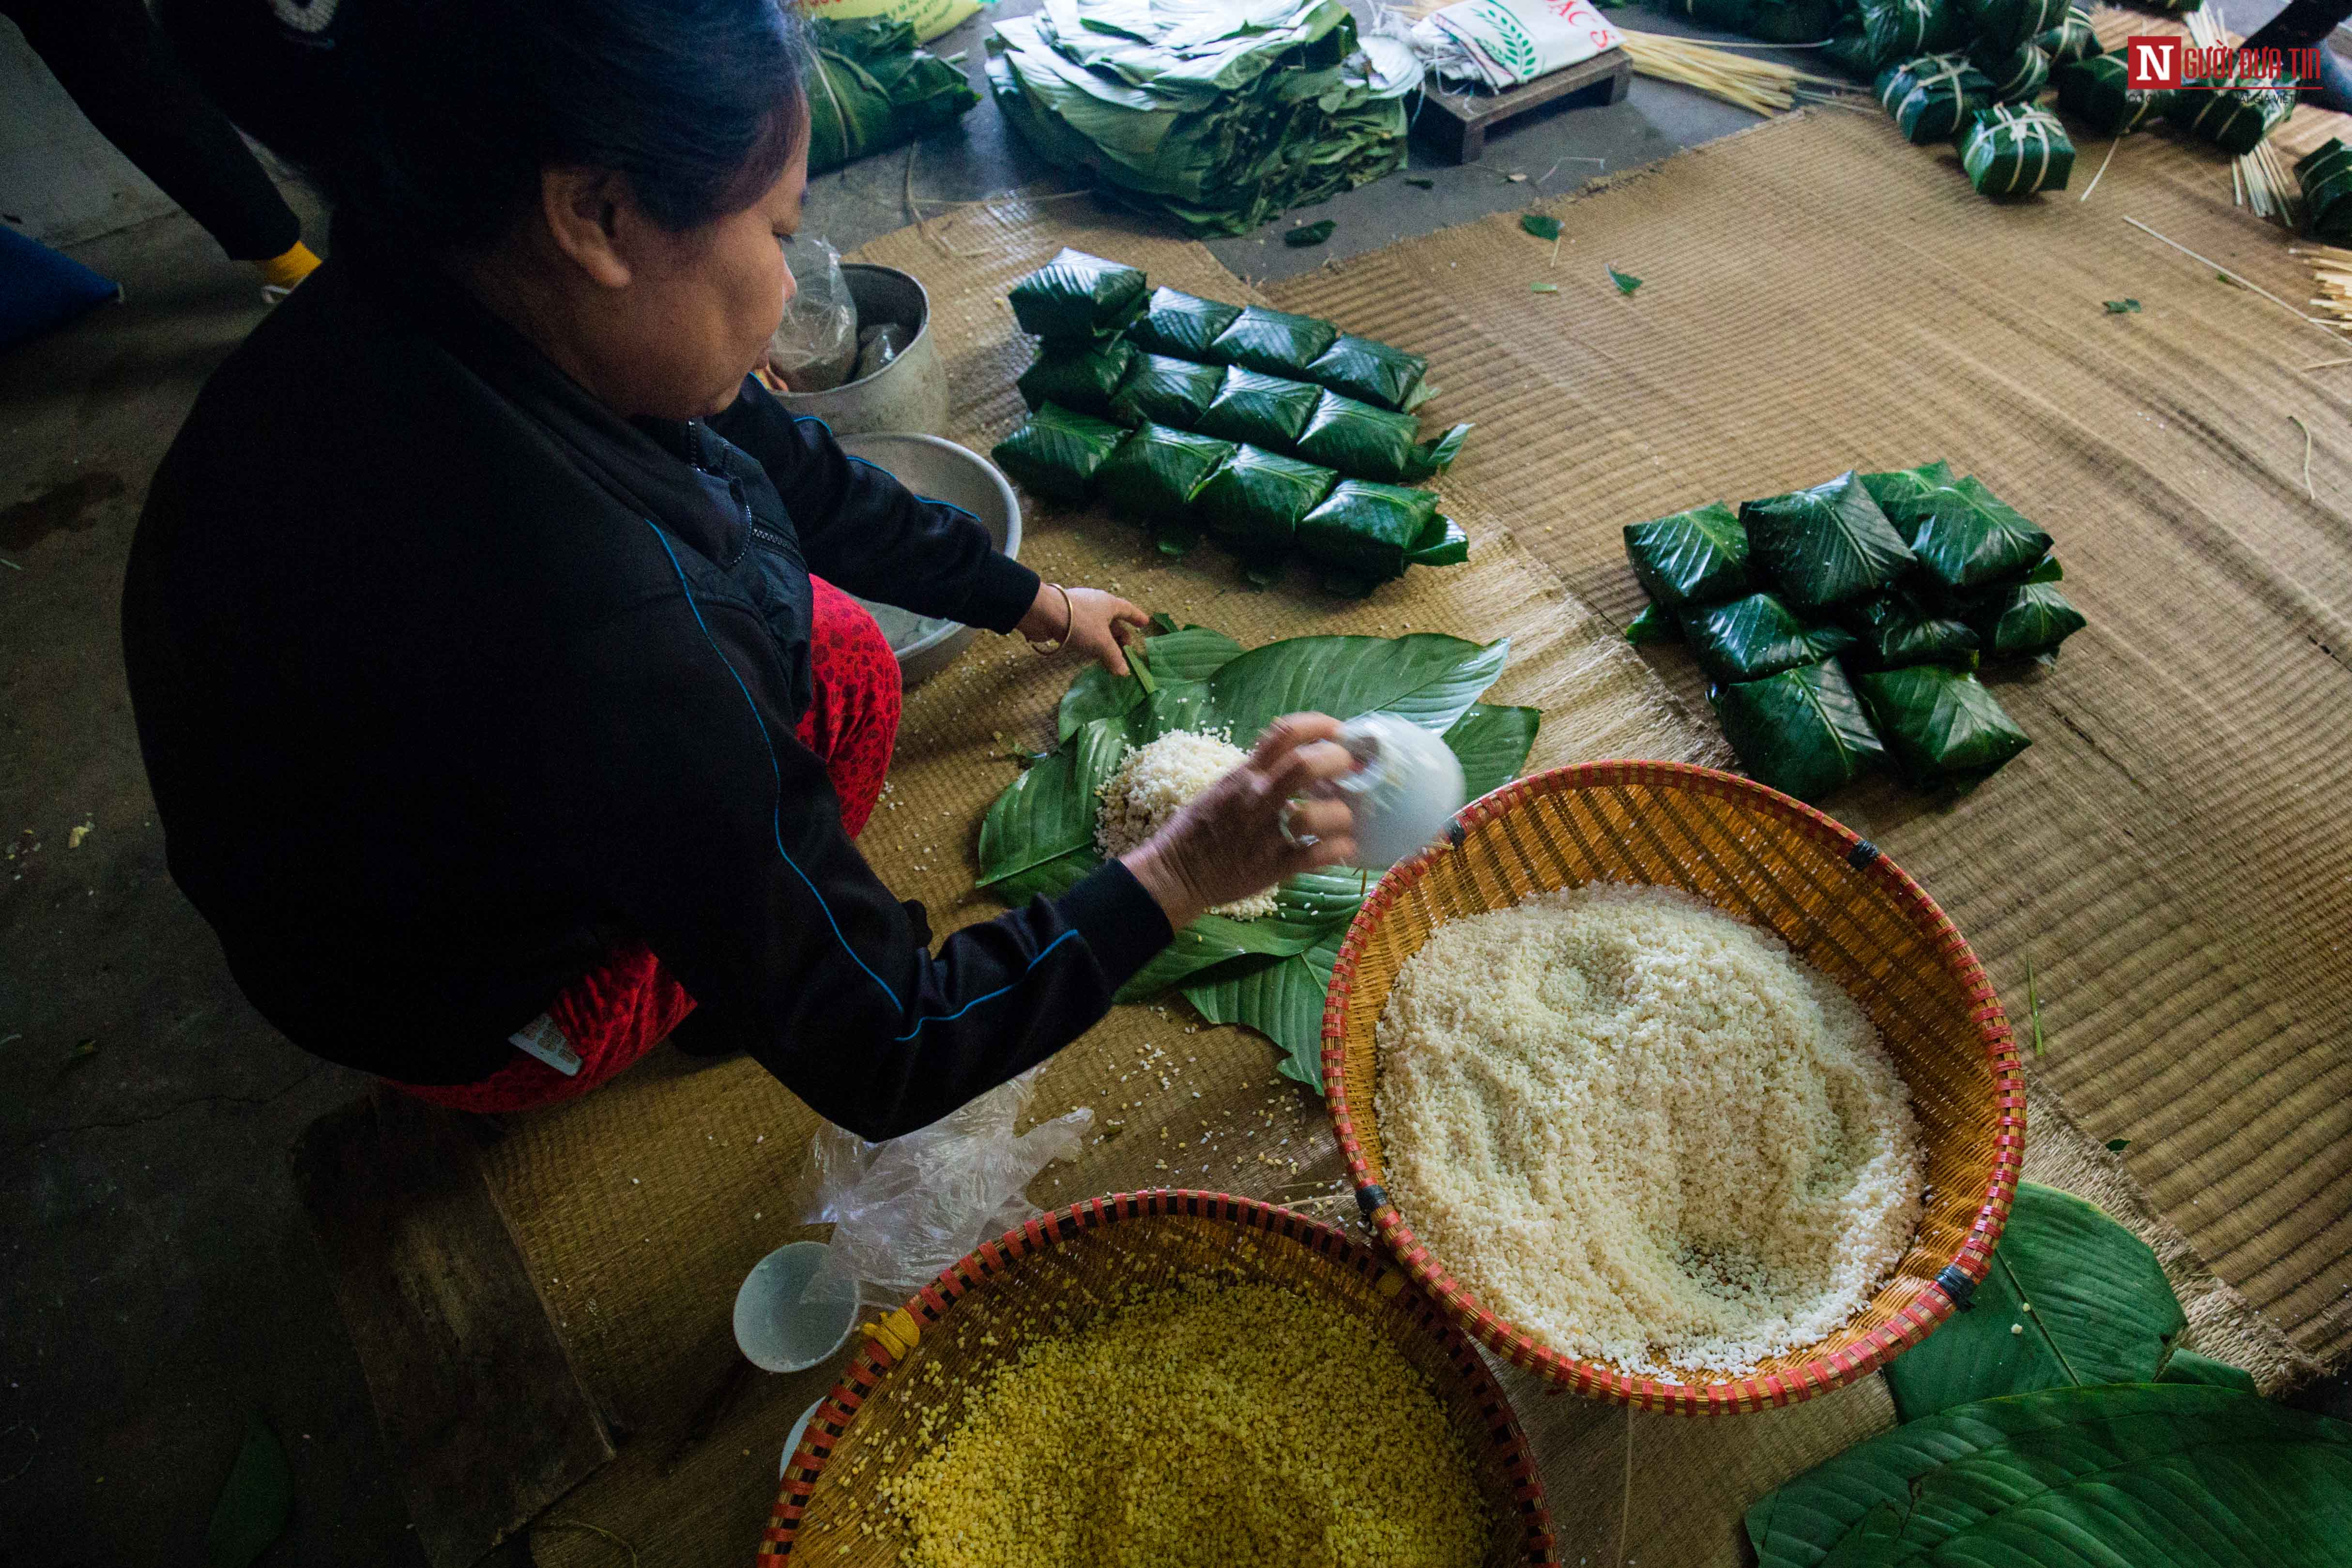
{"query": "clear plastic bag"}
(903, 1210)
(816, 344)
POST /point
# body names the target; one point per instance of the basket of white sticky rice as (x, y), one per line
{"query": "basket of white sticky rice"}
(1675, 1092)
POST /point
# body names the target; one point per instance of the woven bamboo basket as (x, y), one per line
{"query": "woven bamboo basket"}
(1838, 902)
(865, 1431)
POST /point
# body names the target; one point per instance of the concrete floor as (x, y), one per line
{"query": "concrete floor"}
(156, 1284)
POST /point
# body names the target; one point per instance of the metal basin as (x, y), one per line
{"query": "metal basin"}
(911, 392)
(942, 471)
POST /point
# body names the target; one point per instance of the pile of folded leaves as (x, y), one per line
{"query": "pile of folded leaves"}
(1279, 435)
(1217, 117)
(1840, 627)
(872, 89)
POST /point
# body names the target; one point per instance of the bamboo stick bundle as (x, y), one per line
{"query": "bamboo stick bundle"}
(2331, 271)
(2259, 179)
(1760, 87)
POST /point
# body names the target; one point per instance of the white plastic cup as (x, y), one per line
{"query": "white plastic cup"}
(776, 1330)
(1405, 790)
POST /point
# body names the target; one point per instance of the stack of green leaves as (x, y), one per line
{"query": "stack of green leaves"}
(2057, 1420)
(1840, 626)
(2235, 119)
(1930, 96)
(874, 90)
(1270, 974)
(2326, 176)
(2095, 90)
(2014, 150)
(1215, 119)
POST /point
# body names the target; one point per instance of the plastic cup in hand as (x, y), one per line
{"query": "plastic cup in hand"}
(776, 1328)
(1405, 790)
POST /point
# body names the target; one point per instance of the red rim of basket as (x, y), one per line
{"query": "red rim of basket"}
(1929, 1306)
(873, 1359)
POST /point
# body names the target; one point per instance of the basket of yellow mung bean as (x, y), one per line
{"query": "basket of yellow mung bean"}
(1164, 1377)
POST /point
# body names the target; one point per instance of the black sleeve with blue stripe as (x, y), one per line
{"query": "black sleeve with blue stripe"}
(698, 819)
(865, 533)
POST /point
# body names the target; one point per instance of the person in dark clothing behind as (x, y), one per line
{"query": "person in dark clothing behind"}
(2307, 25)
(122, 75)
(485, 625)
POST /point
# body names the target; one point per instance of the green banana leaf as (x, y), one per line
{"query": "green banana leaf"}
(1966, 537)
(2033, 617)
(1366, 530)
(2235, 119)
(1270, 974)
(1181, 325)
(1162, 390)
(2014, 150)
(1255, 502)
(1368, 442)
(1370, 371)
(1751, 637)
(873, 90)
(254, 1504)
(2187, 1366)
(2005, 24)
(1275, 342)
(2325, 176)
(1081, 377)
(1655, 623)
(1057, 453)
(1802, 731)
(1899, 490)
(2073, 38)
(1698, 556)
(2072, 1299)
(2018, 75)
(1931, 97)
(1157, 471)
(1263, 410)
(2124, 1476)
(2094, 90)
(1896, 628)
(1826, 546)
(1941, 726)
(1076, 296)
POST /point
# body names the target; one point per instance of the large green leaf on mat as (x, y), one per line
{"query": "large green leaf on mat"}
(1826, 546)
(1967, 537)
(1161, 389)
(1932, 96)
(2005, 24)
(1263, 410)
(254, 1504)
(1802, 732)
(1752, 637)
(1370, 371)
(2325, 175)
(1057, 453)
(1698, 556)
(2123, 1476)
(1941, 726)
(1181, 325)
(1368, 442)
(2014, 150)
(2096, 92)
(874, 90)
(1274, 342)
(2032, 618)
(2072, 1299)
(1897, 628)
(1078, 296)
(2235, 119)
(1255, 502)
(1158, 470)
(1081, 376)
(1367, 529)
(1270, 974)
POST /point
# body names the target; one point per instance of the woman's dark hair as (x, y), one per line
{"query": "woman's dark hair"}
(431, 119)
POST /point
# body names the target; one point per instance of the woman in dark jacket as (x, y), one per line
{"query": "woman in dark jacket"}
(488, 628)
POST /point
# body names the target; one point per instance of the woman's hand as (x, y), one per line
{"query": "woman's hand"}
(1230, 844)
(1092, 623)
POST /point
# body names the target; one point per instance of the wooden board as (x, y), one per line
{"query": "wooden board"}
(1455, 123)
(486, 1420)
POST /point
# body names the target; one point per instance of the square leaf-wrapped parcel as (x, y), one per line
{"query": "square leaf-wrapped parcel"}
(1080, 376)
(1967, 537)
(1932, 97)
(1698, 556)
(1941, 726)
(1078, 296)
(1370, 371)
(1274, 342)
(1755, 636)
(2095, 92)
(1266, 411)
(1166, 391)
(1057, 454)
(1368, 442)
(1802, 732)
(1157, 472)
(1826, 546)
(1181, 324)
(1255, 501)
(2014, 150)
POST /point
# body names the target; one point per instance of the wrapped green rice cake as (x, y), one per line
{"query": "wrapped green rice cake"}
(1755, 636)
(1897, 629)
(1790, 21)
(2030, 618)
(1157, 472)
(1081, 376)
(2011, 150)
(1931, 97)
(1162, 390)
(2072, 39)
(1367, 443)
(2018, 75)
(1698, 556)
(1802, 732)
(1255, 501)
(1274, 342)
(1078, 296)
(1370, 371)
(2326, 176)
(1940, 725)
(2005, 24)
(2235, 119)
(1181, 324)
(1826, 546)
(2094, 91)
(1267, 411)
(1966, 537)
(1898, 490)
(1057, 454)
(1372, 532)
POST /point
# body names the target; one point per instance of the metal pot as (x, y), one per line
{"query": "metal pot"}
(908, 394)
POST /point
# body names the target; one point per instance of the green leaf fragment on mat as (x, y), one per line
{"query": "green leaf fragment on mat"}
(254, 1504)
(2122, 307)
(1541, 226)
(2090, 1297)
(2187, 1366)
(2117, 1146)
(1543, 288)
(1424, 181)
(2033, 1007)
(1308, 234)
(1626, 281)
